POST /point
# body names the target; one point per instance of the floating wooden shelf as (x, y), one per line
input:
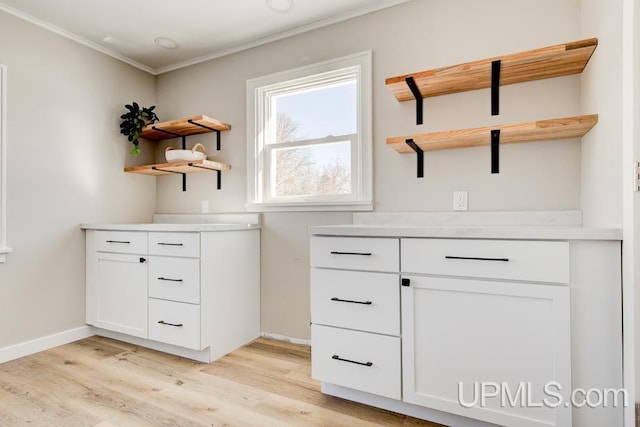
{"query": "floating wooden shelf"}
(540, 130)
(179, 167)
(183, 127)
(552, 61)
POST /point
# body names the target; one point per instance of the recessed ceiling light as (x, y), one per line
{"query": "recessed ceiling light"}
(166, 43)
(280, 6)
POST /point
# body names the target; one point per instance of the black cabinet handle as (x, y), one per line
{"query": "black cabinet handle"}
(169, 280)
(477, 259)
(351, 253)
(177, 325)
(170, 244)
(119, 241)
(405, 282)
(336, 357)
(143, 260)
(351, 301)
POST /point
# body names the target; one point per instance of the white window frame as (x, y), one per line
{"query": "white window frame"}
(259, 91)
(4, 250)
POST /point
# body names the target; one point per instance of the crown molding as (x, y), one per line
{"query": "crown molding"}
(74, 37)
(218, 54)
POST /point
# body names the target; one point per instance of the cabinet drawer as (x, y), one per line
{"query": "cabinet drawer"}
(536, 261)
(175, 244)
(176, 279)
(125, 242)
(355, 253)
(358, 360)
(356, 300)
(174, 323)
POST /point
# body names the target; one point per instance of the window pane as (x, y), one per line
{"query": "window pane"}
(312, 170)
(329, 109)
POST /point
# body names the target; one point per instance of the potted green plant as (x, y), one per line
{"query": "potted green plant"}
(133, 121)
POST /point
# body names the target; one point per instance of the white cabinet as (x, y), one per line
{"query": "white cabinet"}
(179, 292)
(463, 335)
(509, 331)
(356, 314)
(536, 319)
(359, 360)
(121, 293)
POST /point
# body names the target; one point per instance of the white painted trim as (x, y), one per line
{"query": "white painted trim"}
(630, 223)
(74, 37)
(4, 250)
(239, 48)
(37, 345)
(309, 207)
(285, 338)
(258, 91)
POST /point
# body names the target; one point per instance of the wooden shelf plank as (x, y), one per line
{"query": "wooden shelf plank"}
(540, 130)
(183, 127)
(552, 61)
(179, 167)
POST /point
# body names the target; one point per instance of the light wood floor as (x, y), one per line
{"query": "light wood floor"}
(102, 382)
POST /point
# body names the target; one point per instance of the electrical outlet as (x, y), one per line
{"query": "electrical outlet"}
(460, 201)
(205, 207)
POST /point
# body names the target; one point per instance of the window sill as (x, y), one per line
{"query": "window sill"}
(309, 207)
(3, 254)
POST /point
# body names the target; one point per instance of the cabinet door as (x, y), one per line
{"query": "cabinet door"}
(121, 293)
(464, 337)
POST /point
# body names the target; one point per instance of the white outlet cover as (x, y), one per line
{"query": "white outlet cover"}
(460, 200)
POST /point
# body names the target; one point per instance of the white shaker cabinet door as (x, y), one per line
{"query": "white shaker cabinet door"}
(459, 334)
(121, 293)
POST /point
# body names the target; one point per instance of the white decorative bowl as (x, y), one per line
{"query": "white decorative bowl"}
(175, 155)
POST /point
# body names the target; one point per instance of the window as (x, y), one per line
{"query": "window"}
(309, 137)
(3, 164)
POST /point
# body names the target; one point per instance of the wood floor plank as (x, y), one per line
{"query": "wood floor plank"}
(170, 393)
(105, 383)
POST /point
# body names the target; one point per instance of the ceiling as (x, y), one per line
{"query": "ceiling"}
(203, 29)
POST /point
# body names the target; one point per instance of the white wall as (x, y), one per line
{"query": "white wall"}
(414, 36)
(601, 179)
(65, 160)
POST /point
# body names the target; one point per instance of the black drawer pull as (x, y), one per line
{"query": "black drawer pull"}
(351, 253)
(170, 244)
(336, 357)
(477, 259)
(119, 241)
(351, 301)
(169, 280)
(177, 325)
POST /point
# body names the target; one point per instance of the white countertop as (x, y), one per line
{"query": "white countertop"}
(186, 222)
(534, 225)
(170, 227)
(473, 232)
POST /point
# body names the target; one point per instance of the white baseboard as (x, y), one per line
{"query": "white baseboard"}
(37, 345)
(285, 338)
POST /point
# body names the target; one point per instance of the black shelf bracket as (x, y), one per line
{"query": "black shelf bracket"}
(211, 129)
(177, 135)
(184, 176)
(495, 87)
(495, 151)
(419, 99)
(420, 157)
(218, 173)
